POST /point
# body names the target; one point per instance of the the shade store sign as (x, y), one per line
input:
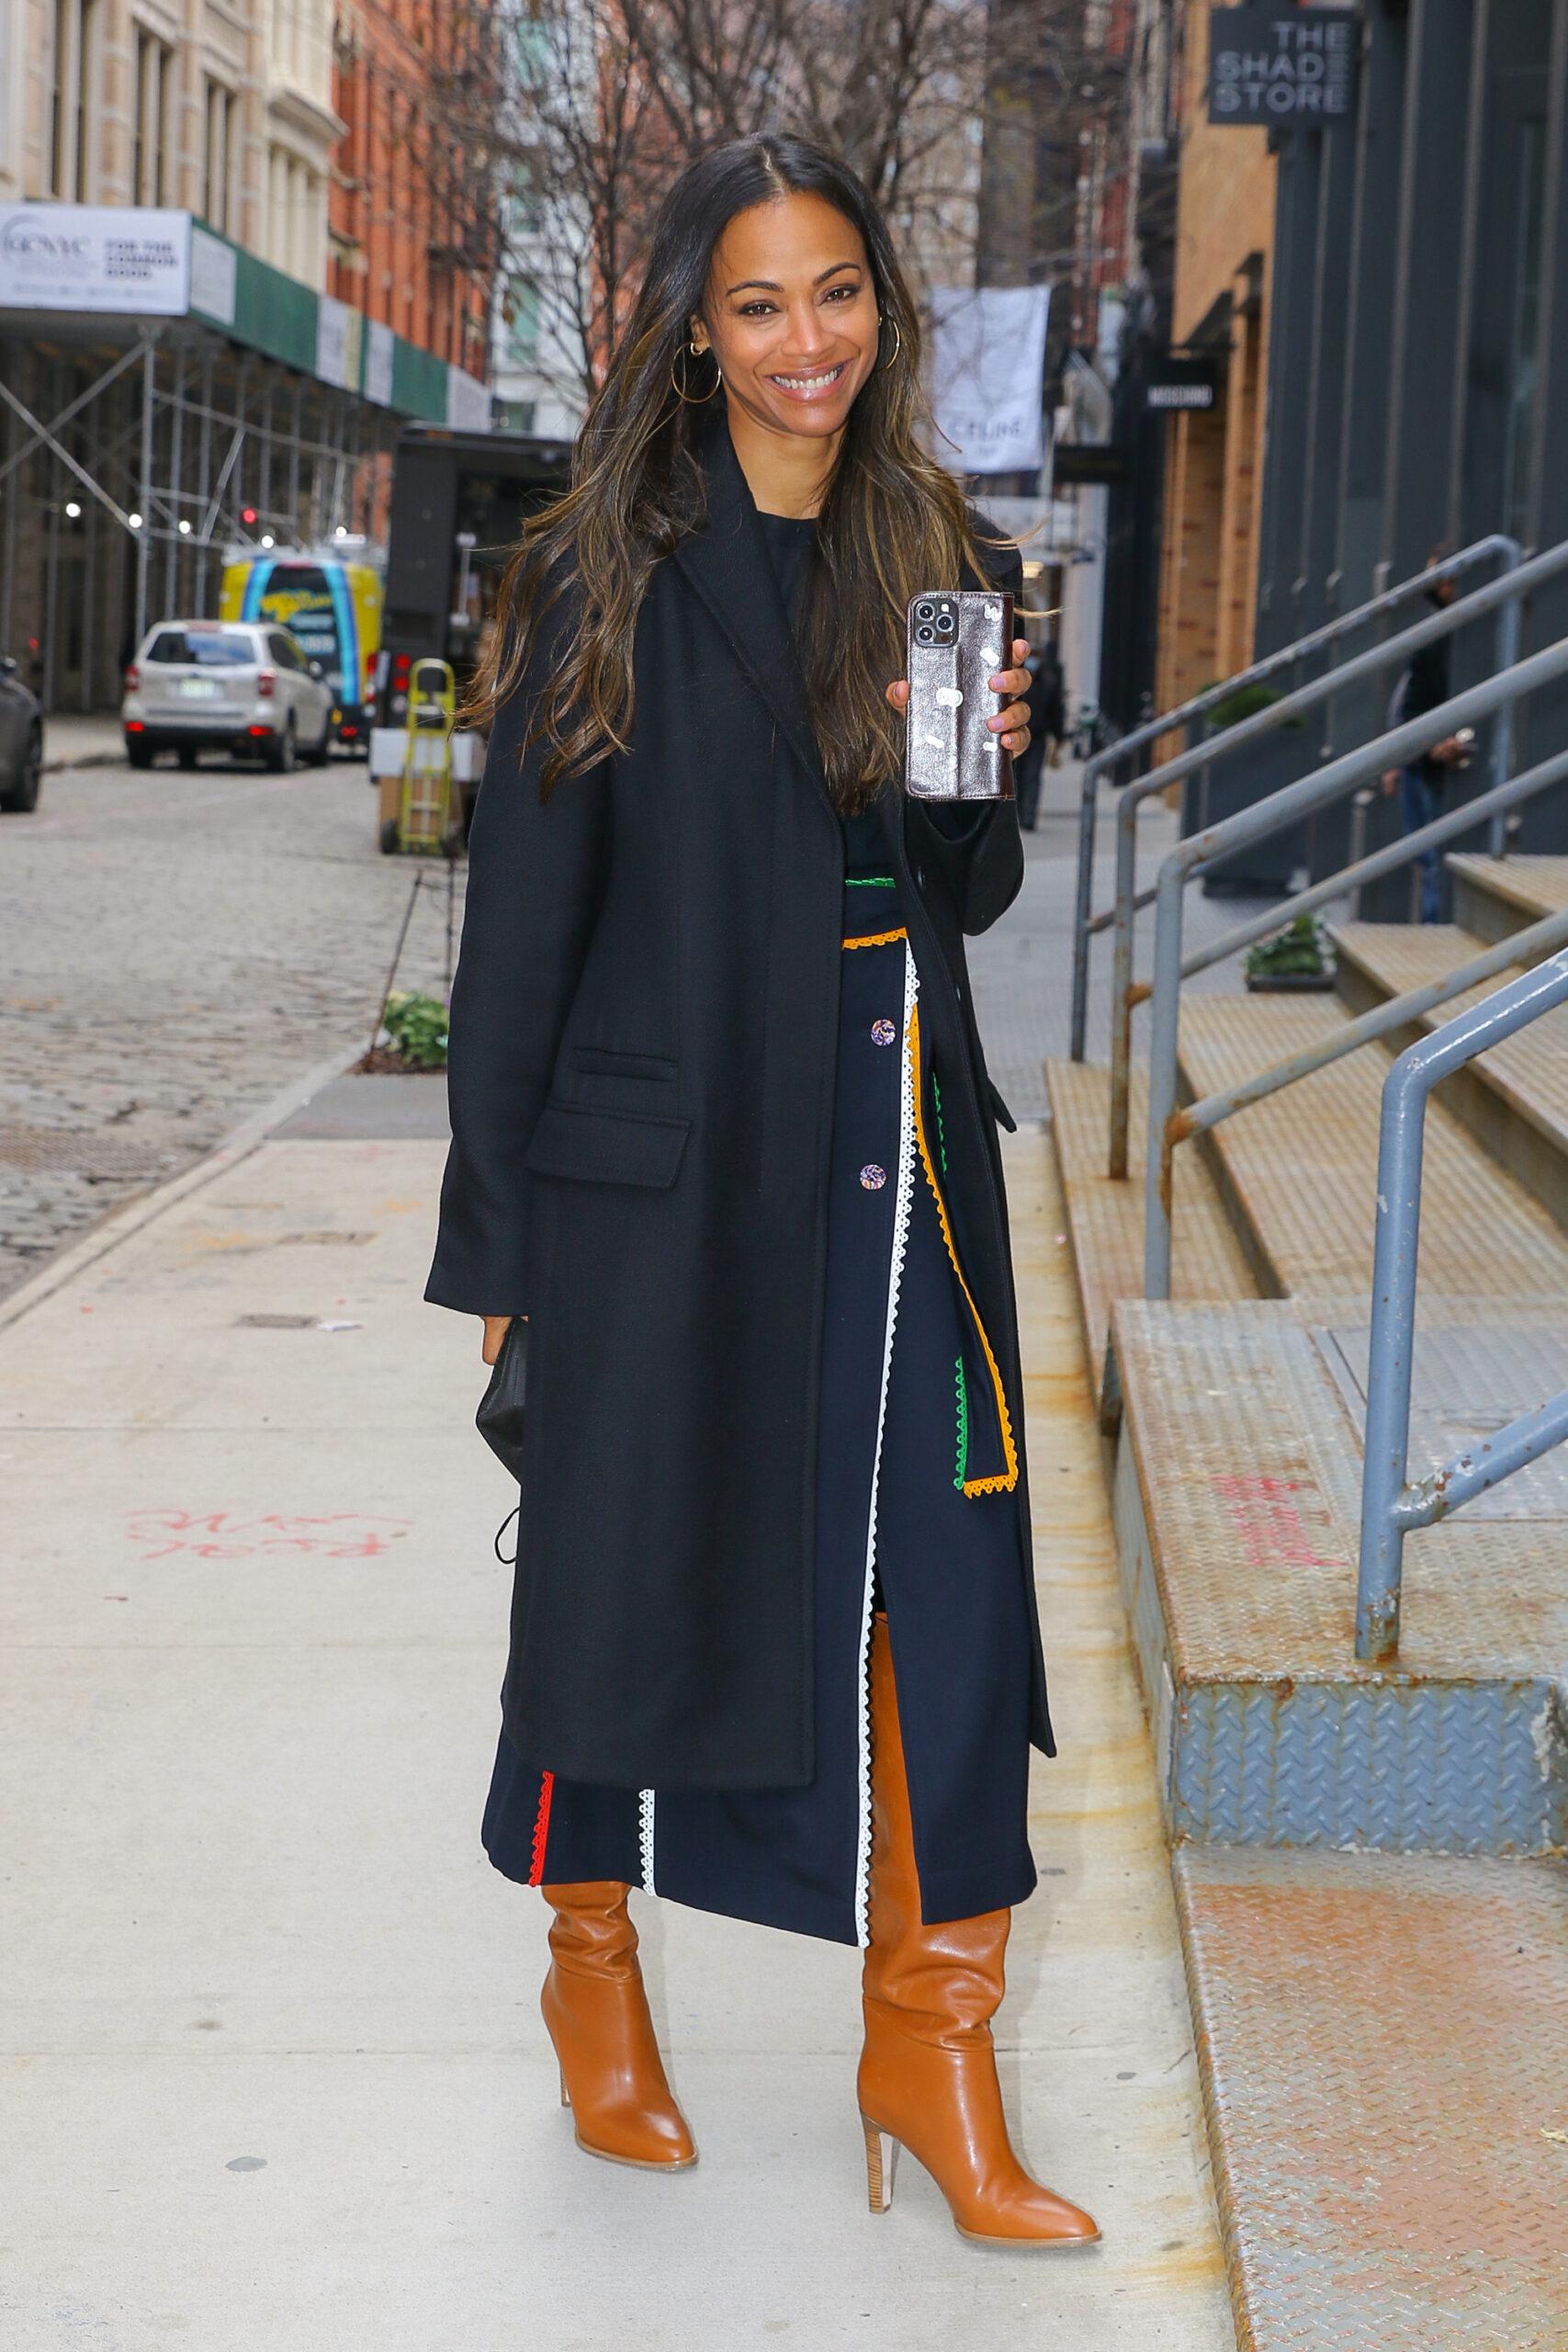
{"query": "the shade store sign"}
(1282, 66)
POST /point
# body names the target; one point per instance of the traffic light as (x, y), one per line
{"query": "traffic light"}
(249, 517)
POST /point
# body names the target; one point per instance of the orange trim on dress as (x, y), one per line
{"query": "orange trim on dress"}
(1007, 1480)
(877, 938)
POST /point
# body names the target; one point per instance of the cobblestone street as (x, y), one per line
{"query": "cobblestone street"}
(177, 949)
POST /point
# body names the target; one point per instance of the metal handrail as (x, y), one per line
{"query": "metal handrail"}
(1085, 923)
(1246, 825)
(1391, 1505)
(1280, 809)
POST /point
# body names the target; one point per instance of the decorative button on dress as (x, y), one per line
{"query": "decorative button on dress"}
(917, 1466)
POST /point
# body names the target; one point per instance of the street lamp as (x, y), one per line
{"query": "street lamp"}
(134, 520)
(267, 540)
(73, 510)
(185, 527)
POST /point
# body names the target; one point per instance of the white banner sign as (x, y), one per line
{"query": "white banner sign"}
(467, 403)
(378, 363)
(214, 275)
(987, 376)
(109, 258)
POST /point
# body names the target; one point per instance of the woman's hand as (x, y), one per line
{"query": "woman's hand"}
(496, 1327)
(1011, 722)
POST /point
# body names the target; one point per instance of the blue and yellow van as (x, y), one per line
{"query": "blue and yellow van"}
(333, 607)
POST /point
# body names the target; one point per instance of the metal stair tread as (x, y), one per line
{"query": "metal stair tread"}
(1105, 1220)
(1248, 1466)
(1380, 2043)
(1529, 1071)
(1536, 884)
(1301, 1165)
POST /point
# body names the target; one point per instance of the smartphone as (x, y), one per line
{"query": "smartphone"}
(958, 642)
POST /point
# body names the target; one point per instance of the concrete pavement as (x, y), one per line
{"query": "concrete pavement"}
(274, 2068)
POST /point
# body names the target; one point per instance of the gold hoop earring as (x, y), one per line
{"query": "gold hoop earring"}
(693, 400)
(883, 366)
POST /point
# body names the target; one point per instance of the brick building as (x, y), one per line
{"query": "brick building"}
(1224, 249)
(184, 372)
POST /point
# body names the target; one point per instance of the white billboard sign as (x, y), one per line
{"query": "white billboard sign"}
(109, 258)
(987, 376)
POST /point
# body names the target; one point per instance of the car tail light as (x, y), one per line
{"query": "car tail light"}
(266, 680)
(258, 731)
(132, 678)
(136, 727)
(402, 664)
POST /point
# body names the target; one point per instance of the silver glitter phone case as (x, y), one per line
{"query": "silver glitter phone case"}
(957, 641)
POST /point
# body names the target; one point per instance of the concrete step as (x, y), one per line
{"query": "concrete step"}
(1514, 1100)
(1298, 1170)
(1495, 896)
(1381, 2043)
(1105, 1220)
(1237, 1505)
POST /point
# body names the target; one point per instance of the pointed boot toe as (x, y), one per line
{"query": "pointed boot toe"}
(595, 2010)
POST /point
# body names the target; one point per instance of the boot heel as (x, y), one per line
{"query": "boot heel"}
(881, 2163)
(564, 2099)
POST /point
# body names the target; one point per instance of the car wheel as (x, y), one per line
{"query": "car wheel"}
(138, 755)
(321, 751)
(281, 758)
(22, 799)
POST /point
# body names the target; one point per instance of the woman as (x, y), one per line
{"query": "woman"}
(722, 1132)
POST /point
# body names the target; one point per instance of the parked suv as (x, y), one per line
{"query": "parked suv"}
(240, 687)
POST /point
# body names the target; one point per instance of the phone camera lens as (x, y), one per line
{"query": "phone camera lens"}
(944, 622)
(925, 634)
(924, 612)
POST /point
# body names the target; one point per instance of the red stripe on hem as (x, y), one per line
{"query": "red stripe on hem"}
(541, 1828)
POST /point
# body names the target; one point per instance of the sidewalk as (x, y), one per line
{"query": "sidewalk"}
(73, 740)
(275, 2073)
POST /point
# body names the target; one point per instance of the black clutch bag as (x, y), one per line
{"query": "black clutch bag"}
(500, 1418)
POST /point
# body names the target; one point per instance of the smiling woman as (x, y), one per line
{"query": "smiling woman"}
(722, 1132)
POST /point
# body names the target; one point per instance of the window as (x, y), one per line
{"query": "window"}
(87, 72)
(282, 649)
(520, 309)
(154, 78)
(220, 154)
(201, 649)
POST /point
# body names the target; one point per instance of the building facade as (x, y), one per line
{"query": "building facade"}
(189, 366)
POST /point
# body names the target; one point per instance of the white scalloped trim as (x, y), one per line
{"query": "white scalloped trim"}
(645, 1837)
(903, 1204)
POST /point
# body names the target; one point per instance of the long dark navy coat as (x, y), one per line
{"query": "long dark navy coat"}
(642, 1086)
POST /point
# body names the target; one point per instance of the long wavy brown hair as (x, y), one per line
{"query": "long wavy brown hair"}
(892, 522)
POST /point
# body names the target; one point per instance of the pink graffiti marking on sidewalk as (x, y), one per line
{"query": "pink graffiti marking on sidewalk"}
(222, 1535)
(1271, 1525)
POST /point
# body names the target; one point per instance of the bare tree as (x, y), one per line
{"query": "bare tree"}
(580, 112)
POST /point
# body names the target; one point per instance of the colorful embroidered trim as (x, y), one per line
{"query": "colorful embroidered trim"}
(1008, 1479)
(941, 1138)
(645, 1837)
(869, 882)
(903, 1204)
(961, 1471)
(541, 1828)
(877, 938)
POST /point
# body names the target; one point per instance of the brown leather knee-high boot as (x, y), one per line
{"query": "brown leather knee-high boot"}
(927, 2075)
(611, 2075)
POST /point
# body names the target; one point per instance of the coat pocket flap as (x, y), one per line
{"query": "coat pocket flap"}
(595, 1147)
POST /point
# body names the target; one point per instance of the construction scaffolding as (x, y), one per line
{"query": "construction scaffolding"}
(134, 455)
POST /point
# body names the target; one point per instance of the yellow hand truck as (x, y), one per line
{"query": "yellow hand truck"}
(428, 822)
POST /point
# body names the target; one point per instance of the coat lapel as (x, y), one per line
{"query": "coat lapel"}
(728, 565)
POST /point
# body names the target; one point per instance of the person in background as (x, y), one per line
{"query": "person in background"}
(1424, 686)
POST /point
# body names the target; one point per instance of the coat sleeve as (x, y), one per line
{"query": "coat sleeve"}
(979, 851)
(536, 878)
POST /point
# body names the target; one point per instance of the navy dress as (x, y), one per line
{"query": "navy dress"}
(916, 1467)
